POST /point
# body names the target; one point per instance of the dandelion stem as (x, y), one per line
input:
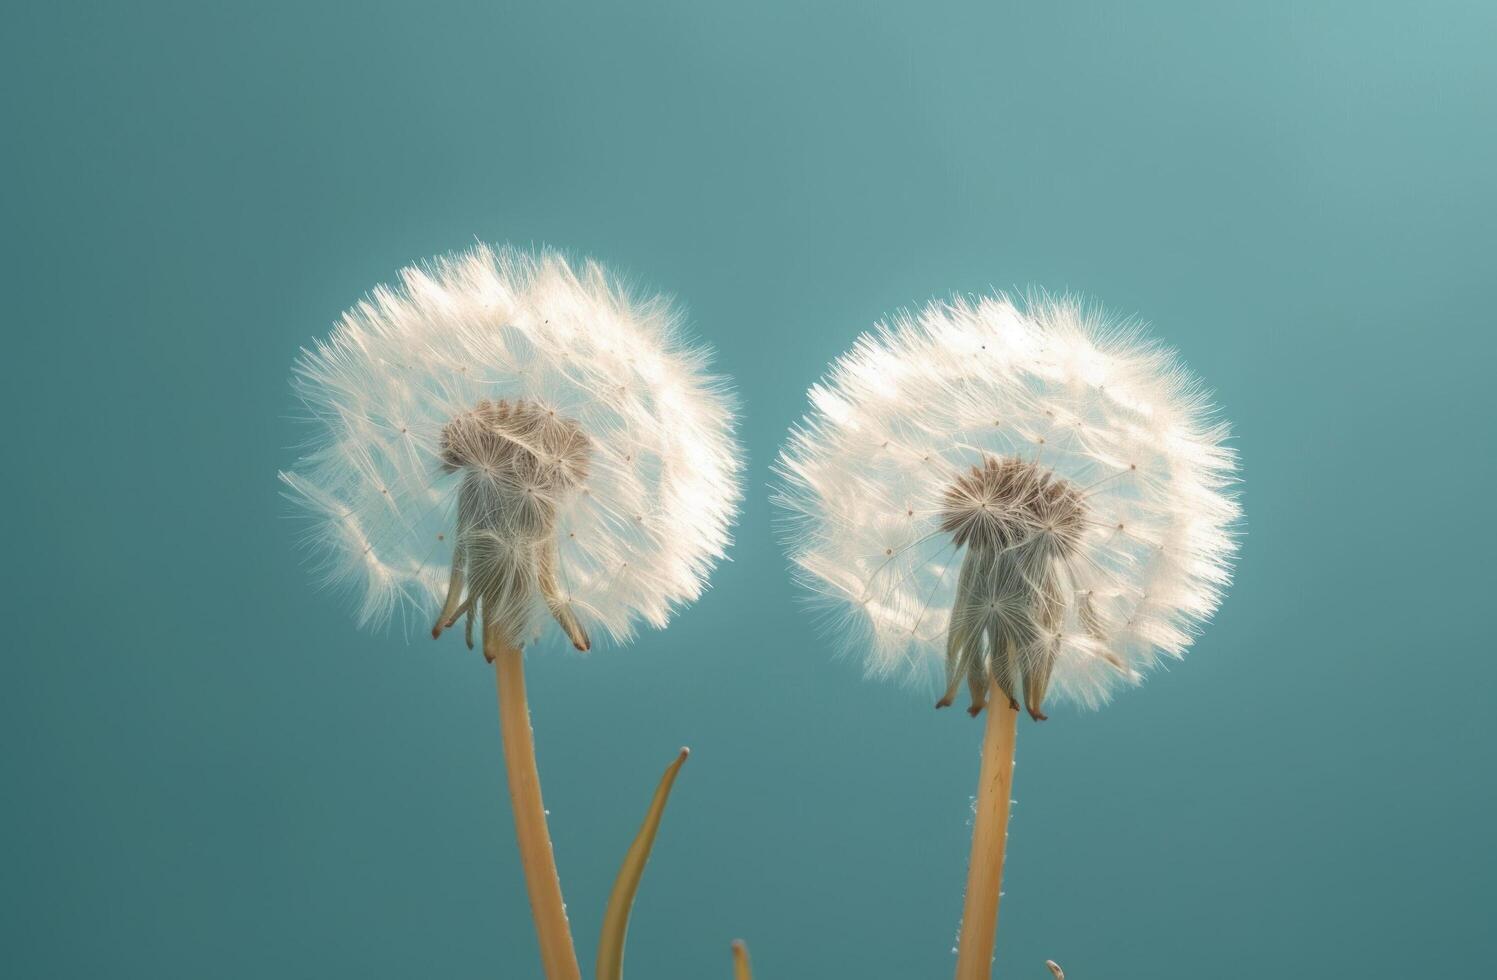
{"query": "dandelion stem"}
(741, 969)
(558, 958)
(621, 900)
(974, 958)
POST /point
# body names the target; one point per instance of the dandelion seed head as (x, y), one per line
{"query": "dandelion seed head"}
(520, 430)
(1028, 492)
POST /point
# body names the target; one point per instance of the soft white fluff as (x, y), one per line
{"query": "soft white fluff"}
(1069, 395)
(628, 532)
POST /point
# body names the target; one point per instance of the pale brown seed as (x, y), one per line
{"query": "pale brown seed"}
(1020, 524)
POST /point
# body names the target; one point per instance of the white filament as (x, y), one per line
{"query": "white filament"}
(634, 541)
(921, 400)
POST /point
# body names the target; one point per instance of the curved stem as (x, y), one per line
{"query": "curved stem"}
(541, 882)
(621, 900)
(974, 958)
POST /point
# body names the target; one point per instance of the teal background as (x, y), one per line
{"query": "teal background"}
(208, 772)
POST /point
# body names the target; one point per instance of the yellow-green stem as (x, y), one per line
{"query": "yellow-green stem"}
(974, 958)
(558, 958)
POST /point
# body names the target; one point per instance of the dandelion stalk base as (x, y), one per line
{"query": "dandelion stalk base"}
(558, 958)
(974, 958)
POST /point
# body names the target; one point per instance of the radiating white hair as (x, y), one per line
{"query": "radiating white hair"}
(1027, 492)
(504, 420)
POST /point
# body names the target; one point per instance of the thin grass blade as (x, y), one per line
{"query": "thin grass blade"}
(621, 901)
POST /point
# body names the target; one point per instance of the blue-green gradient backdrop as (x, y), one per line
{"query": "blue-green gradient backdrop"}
(208, 772)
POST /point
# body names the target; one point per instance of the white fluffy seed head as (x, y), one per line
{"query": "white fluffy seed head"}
(1026, 490)
(532, 420)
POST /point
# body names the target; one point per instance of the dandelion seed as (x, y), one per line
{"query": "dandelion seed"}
(478, 404)
(1082, 556)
